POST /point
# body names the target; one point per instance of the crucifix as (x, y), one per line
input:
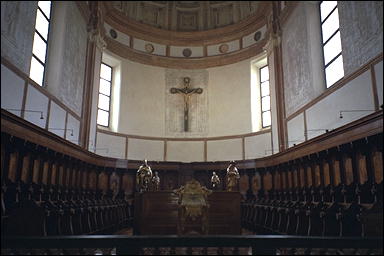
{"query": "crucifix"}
(187, 93)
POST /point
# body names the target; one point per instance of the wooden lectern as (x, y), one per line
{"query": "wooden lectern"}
(156, 213)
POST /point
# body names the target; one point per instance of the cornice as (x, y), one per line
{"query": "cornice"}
(196, 38)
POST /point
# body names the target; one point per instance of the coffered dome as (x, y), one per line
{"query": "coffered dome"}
(186, 15)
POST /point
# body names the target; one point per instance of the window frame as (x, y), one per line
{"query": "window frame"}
(326, 65)
(46, 41)
(110, 96)
(261, 98)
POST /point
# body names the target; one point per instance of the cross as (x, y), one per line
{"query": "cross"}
(187, 92)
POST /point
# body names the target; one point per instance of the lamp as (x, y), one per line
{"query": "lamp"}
(355, 110)
(62, 129)
(26, 110)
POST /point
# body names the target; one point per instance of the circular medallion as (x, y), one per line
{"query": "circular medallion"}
(149, 48)
(257, 36)
(113, 33)
(223, 48)
(187, 52)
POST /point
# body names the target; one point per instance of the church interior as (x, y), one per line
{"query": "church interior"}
(191, 127)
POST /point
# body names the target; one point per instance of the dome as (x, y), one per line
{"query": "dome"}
(186, 15)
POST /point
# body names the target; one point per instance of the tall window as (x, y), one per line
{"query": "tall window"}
(104, 95)
(265, 97)
(40, 42)
(333, 59)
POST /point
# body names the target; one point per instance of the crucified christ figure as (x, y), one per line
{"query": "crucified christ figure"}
(187, 93)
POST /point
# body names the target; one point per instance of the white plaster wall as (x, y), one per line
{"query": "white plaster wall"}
(361, 29)
(74, 124)
(110, 145)
(139, 45)
(56, 119)
(12, 89)
(17, 30)
(295, 128)
(67, 54)
(301, 61)
(229, 99)
(214, 49)
(142, 108)
(152, 150)
(222, 150)
(379, 81)
(355, 95)
(38, 102)
(185, 151)
(257, 146)
(177, 51)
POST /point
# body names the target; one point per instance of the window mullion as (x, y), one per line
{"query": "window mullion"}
(329, 15)
(334, 33)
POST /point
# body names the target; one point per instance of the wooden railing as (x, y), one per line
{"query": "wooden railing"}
(202, 245)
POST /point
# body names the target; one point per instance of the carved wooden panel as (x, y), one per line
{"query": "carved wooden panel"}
(327, 179)
(92, 176)
(36, 170)
(44, 178)
(54, 174)
(84, 179)
(302, 177)
(128, 183)
(277, 181)
(378, 166)
(103, 181)
(317, 175)
(267, 181)
(25, 168)
(61, 174)
(348, 171)
(295, 181)
(289, 179)
(309, 176)
(244, 184)
(362, 167)
(256, 183)
(114, 182)
(13, 166)
(337, 177)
